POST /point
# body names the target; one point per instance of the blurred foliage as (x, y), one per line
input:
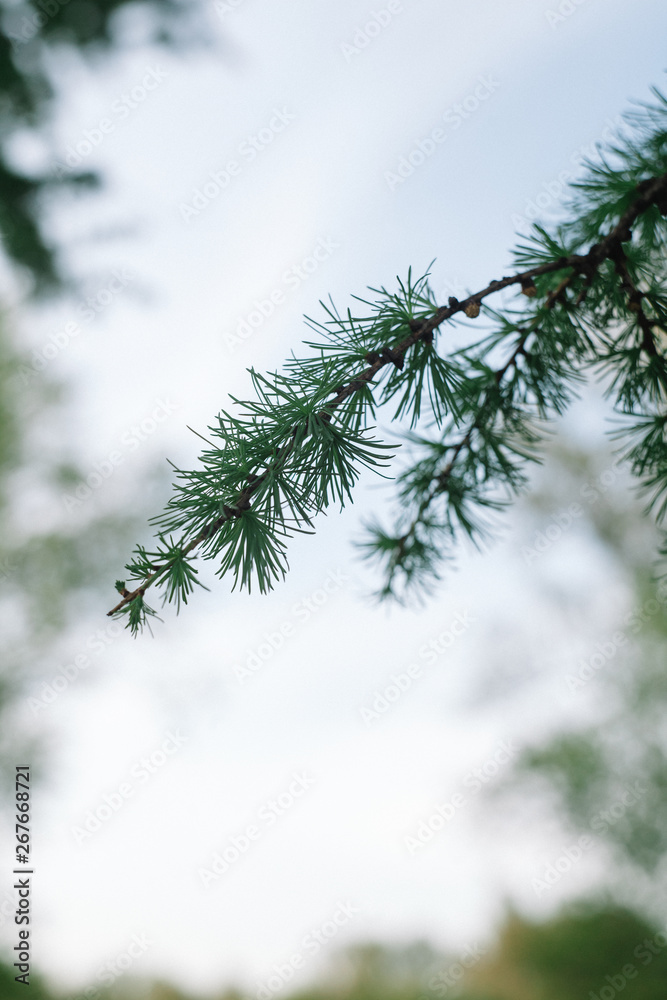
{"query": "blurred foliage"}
(371, 971)
(578, 953)
(51, 565)
(46, 571)
(575, 954)
(9, 988)
(607, 776)
(31, 35)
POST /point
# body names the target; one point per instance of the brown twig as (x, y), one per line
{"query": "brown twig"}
(635, 301)
(652, 191)
(610, 248)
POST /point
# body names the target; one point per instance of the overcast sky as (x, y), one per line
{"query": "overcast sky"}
(310, 149)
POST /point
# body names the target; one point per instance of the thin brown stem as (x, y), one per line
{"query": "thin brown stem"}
(652, 191)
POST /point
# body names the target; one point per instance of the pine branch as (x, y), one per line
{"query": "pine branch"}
(293, 450)
(653, 192)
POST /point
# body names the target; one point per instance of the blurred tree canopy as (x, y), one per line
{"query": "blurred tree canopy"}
(604, 774)
(8, 988)
(46, 569)
(51, 566)
(31, 33)
(48, 565)
(591, 952)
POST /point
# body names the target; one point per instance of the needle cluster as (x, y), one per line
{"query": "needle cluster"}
(590, 298)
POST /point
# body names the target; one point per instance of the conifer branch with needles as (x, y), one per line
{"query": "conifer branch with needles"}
(591, 296)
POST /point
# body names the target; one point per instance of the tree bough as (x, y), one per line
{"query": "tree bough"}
(590, 296)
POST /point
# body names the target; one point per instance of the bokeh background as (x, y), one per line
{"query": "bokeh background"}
(254, 801)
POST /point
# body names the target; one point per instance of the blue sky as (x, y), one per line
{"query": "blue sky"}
(310, 150)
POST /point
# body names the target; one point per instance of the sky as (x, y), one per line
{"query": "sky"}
(256, 806)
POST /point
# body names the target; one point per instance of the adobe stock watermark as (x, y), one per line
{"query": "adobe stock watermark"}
(302, 611)
(554, 190)
(129, 442)
(110, 971)
(403, 681)
(564, 863)
(606, 818)
(248, 150)
(453, 118)
(311, 944)
(543, 540)
(34, 20)
(644, 953)
(267, 816)
(225, 7)
(366, 33)
(473, 783)
(87, 311)
(561, 521)
(574, 853)
(449, 978)
(291, 281)
(637, 618)
(120, 110)
(565, 9)
(140, 773)
(606, 650)
(96, 643)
